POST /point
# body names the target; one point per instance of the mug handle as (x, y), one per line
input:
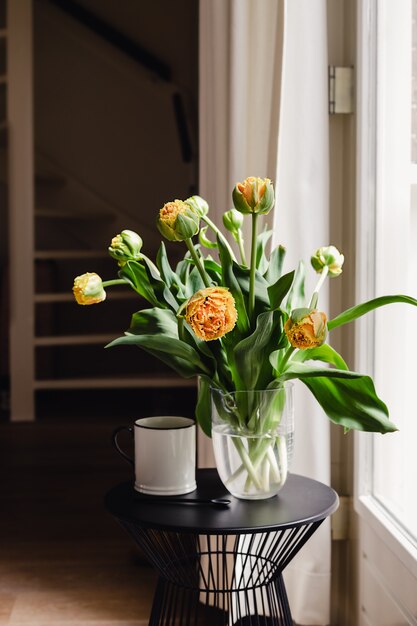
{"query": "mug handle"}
(117, 446)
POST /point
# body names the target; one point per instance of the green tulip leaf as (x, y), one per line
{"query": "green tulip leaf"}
(279, 290)
(324, 353)
(180, 356)
(194, 283)
(183, 268)
(162, 325)
(214, 270)
(204, 240)
(136, 275)
(351, 403)
(154, 322)
(146, 280)
(171, 279)
(211, 266)
(261, 287)
(361, 309)
(262, 263)
(187, 335)
(250, 352)
(296, 295)
(301, 370)
(276, 262)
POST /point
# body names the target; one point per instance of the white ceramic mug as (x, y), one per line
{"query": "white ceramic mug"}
(165, 454)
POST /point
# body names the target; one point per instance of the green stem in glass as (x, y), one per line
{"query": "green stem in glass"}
(246, 463)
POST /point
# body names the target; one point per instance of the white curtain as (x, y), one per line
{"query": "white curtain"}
(302, 225)
(240, 79)
(263, 112)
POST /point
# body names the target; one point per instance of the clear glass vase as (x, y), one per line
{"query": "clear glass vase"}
(253, 433)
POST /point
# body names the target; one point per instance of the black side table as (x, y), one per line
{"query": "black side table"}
(222, 565)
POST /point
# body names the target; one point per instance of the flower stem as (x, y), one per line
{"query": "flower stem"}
(240, 242)
(219, 234)
(253, 266)
(286, 358)
(116, 281)
(198, 263)
(315, 296)
(246, 462)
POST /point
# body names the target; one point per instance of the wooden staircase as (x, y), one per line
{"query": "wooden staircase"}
(69, 340)
(61, 229)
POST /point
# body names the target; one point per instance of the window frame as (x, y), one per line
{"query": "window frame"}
(366, 504)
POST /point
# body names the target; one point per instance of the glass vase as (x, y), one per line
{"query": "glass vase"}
(253, 433)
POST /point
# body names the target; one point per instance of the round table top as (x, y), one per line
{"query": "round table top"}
(301, 501)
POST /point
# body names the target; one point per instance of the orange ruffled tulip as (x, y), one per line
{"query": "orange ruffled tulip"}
(306, 331)
(88, 289)
(254, 195)
(211, 313)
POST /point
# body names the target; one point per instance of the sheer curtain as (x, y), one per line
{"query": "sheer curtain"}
(263, 112)
(240, 69)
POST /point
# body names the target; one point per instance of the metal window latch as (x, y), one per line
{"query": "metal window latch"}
(341, 96)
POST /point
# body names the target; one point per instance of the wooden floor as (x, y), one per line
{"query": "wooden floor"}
(63, 559)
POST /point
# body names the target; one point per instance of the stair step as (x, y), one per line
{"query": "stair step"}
(138, 382)
(70, 254)
(68, 297)
(74, 340)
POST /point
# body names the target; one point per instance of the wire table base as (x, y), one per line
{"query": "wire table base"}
(222, 566)
(210, 580)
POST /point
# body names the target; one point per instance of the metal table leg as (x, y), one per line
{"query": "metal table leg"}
(222, 579)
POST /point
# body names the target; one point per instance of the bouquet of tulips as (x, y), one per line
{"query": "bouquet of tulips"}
(238, 323)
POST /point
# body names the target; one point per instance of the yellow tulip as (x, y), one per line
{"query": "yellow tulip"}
(306, 331)
(88, 289)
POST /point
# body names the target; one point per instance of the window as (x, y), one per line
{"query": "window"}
(388, 254)
(386, 465)
(394, 464)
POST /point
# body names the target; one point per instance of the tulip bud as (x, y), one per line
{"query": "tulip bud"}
(233, 221)
(254, 195)
(306, 328)
(330, 257)
(178, 221)
(88, 289)
(126, 247)
(198, 204)
(211, 313)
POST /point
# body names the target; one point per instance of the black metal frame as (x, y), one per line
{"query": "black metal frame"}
(222, 566)
(240, 575)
